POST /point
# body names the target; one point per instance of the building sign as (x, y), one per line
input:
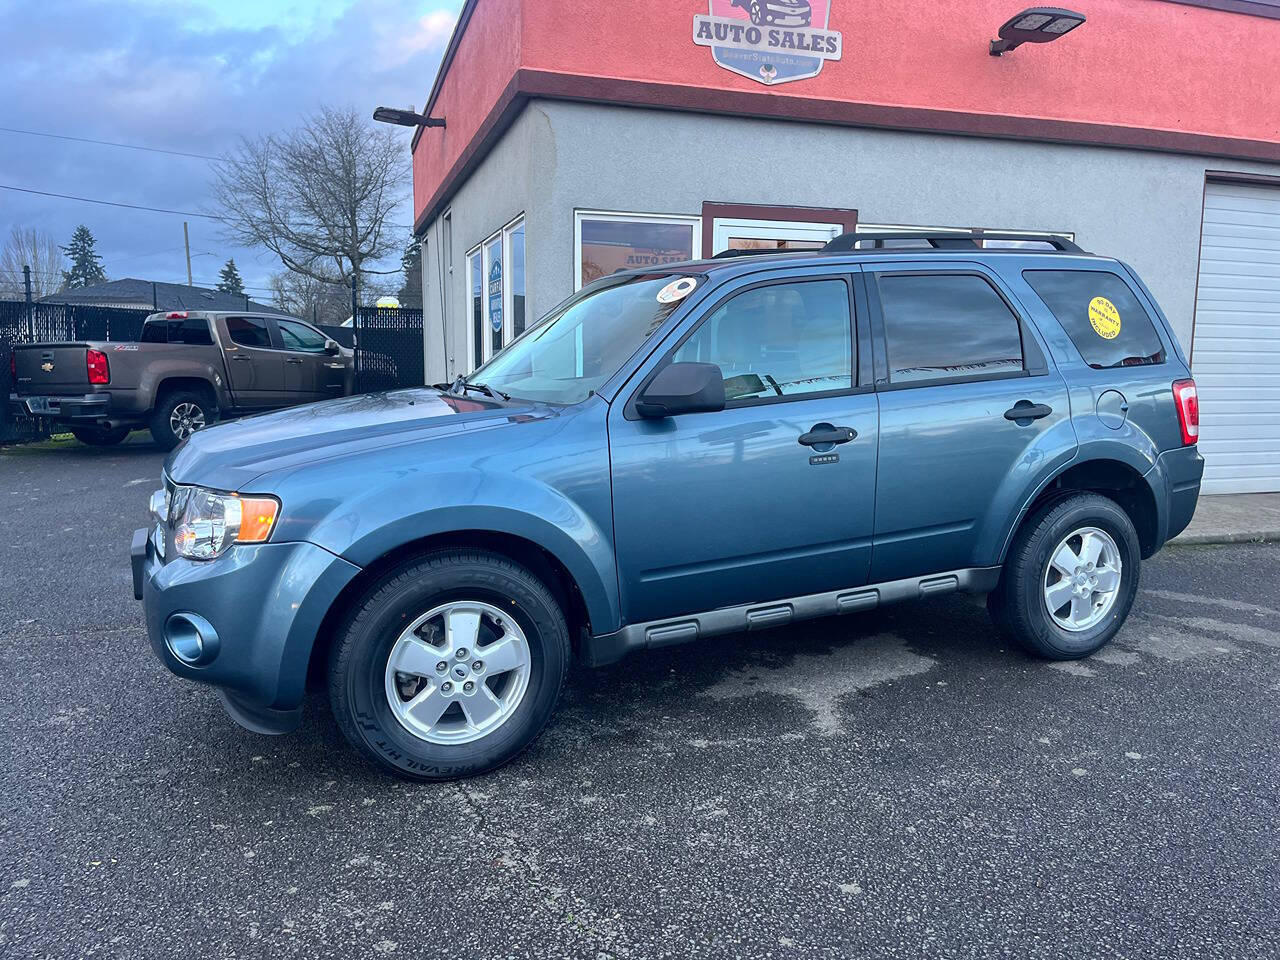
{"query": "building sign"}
(771, 41)
(495, 292)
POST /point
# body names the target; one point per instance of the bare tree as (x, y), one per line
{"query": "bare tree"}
(303, 296)
(37, 250)
(318, 197)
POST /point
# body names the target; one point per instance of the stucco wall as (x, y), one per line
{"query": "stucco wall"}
(1143, 207)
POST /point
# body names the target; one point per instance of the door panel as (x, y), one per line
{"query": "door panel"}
(946, 456)
(724, 508)
(955, 364)
(309, 372)
(716, 509)
(256, 371)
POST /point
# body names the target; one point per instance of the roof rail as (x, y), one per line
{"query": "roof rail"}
(734, 252)
(948, 241)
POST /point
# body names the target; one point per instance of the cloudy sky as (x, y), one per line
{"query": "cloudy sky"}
(191, 76)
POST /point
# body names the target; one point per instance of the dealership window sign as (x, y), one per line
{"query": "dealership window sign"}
(770, 41)
(495, 294)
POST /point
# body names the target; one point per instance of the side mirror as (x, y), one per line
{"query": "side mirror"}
(683, 388)
(331, 347)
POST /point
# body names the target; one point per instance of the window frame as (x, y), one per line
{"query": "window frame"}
(692, 221)
(1033, 359)
(859, 341)
(482, 251)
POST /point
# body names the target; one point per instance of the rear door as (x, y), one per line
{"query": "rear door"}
(310, 373)
(956, 364)
(727, 508)
(255, 367)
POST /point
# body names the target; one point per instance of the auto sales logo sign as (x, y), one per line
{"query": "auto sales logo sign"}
(771, 41)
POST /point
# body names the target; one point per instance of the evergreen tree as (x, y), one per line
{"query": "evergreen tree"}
(86, 265)
(410, 294)
(229, 279)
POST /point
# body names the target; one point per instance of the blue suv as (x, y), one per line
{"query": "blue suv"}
(673, 453)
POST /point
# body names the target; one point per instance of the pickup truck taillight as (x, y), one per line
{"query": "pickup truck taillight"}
(96, 363)
(1188, 404)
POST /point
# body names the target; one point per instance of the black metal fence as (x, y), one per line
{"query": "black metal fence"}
(387, 342)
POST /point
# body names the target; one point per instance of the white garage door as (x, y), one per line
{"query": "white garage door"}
(1236, 346)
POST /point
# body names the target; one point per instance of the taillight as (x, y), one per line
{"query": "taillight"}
(1188, 404)
(96, 363)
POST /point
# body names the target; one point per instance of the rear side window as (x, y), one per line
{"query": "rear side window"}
(1102, 315)
(193, 331)
(947, 325)
(249, 331)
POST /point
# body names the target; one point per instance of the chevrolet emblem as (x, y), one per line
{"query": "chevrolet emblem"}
(47, 367)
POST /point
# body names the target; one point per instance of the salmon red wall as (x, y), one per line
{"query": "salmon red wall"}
(1138, 64)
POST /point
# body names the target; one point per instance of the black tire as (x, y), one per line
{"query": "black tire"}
(1018, 604)
(99, 436)
(757, 15)
(364, 641)
(162, 429)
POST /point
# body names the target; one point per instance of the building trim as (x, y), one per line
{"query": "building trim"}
(1231, 176)
(526, 84)
(1256, 8)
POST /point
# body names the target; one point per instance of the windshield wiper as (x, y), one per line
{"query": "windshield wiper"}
(461, 384)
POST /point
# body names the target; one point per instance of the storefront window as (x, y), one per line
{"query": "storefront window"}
(609, 242)
(496, 309)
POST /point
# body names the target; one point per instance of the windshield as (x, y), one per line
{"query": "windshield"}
(566, 357)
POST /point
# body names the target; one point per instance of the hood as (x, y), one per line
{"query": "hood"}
(230, 456)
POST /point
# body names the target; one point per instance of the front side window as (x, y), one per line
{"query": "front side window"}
(778, 340)
(945, 326)
(1101, 314)
(249, 332)
(297, 336)
(575, 350)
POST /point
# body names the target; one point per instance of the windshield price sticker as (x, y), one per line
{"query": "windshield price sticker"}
(1104, 317)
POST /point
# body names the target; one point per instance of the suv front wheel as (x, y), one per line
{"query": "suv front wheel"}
(450, 666)
(1069, 579)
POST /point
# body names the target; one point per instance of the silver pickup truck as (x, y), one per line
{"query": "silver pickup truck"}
(189, 369)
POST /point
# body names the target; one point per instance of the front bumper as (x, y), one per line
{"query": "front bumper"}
(265, 601)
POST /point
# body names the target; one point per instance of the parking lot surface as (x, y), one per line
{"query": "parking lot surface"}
(895, 784)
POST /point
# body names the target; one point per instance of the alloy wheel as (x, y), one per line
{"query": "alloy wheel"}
(186, 419)
(1082, 579)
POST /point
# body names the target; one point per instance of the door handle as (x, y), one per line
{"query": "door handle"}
(241, 356)
(1024, 411)
(292, 359)
(822, 433)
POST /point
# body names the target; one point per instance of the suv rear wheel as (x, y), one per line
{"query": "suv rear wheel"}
(1070, 578)
(450, 666)
(180, 414)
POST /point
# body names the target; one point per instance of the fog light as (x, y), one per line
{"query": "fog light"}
(191, 639)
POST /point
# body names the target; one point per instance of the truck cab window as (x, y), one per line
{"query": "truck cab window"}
(249, 332)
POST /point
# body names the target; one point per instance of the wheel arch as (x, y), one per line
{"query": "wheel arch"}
(174, 383)
(1116, 479)
(539, 560)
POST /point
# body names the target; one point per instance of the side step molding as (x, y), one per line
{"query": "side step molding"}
(611, 647)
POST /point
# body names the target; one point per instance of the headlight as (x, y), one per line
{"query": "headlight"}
(206, 523)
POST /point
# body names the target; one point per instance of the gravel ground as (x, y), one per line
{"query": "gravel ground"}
(894, 784)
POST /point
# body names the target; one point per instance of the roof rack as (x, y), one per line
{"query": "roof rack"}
(731, 253)
(847, 242)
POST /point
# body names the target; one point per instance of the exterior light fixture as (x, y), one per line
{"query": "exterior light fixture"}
(406, 118)
(1035, 25)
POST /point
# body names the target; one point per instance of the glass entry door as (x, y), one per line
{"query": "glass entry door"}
(771, 235)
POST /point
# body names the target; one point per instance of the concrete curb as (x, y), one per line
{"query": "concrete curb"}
(1231, 536)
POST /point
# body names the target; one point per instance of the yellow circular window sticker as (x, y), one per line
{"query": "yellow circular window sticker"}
(1105, 318)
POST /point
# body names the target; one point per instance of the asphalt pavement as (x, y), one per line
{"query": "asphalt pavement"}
(894, 784)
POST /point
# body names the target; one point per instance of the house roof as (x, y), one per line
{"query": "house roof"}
(132, 292)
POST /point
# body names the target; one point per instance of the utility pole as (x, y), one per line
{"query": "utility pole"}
(31, 316)
(186, 241)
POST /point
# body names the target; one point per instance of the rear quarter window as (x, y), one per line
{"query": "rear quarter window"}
(1103, 317)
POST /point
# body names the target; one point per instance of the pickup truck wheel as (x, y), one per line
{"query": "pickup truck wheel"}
(449, 666)
(99, 437)
(1070, 578)
(180, 414)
